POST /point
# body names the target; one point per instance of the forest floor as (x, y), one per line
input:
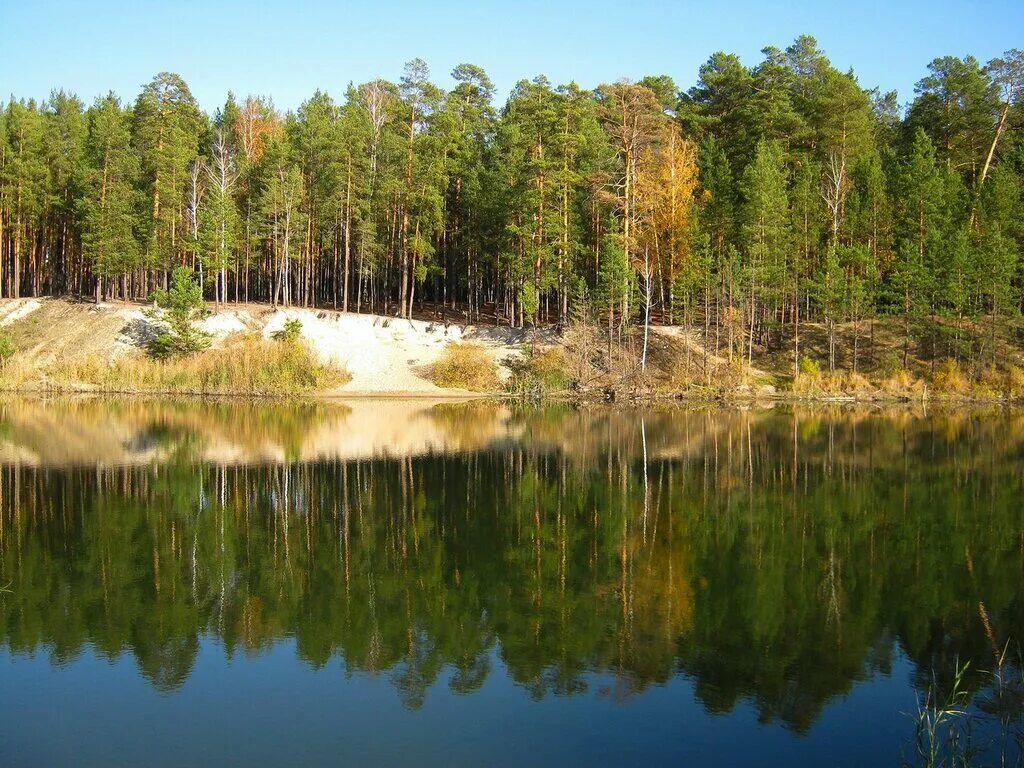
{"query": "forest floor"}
(393, 357)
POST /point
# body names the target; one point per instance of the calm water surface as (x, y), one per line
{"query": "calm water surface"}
(412, 583)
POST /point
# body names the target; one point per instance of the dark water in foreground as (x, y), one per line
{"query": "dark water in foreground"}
(401, 583)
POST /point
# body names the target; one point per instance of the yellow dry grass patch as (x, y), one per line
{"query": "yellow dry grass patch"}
(244, 365)
(466, 366)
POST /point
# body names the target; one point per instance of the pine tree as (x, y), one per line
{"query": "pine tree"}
(920, 194)
(109, 209)
(183, 307)
(956, 106)
(829, 289)
(423, 183)
(25, 189)
(806, 227)
(64, 140)
(1000, 252)
(613, 285)
(167, 126)
(766, 230)
(313, 132)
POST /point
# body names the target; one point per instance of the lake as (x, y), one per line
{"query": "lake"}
(406, 582)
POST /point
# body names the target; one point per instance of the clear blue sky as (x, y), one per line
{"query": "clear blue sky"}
(287, 50)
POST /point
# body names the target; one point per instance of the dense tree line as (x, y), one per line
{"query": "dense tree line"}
(762, 196)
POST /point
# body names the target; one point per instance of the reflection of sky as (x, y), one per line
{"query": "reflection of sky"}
(272, 708)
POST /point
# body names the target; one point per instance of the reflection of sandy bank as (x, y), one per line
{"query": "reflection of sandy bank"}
(109, 432)
(87, 432)
(375, 428)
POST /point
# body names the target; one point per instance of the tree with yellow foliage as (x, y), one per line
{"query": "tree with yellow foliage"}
(666, 184)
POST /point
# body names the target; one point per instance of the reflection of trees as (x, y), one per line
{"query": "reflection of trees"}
(772, 557)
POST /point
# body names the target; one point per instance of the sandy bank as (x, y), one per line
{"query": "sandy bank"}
(385, 356)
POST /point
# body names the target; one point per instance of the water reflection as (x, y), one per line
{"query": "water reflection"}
(99, 432)
(772, 556)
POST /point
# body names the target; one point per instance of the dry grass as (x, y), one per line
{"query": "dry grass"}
(546, 371)
(244, 365)
(832, 384)
(731, 374)
(949, 379)
(992, 383)
(586, 361)
(466, 366)
(586, 354)
(903, 383)
(1015, 382)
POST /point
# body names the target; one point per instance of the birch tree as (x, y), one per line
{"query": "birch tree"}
(219, 219)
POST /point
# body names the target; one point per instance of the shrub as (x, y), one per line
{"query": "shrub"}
(1015, 381)
(183, 306)
(949, 379)
(993, 382)
(290, 332)
(892, 364)
(809, 366)
(466, 366)
(584, 350)
(546, 371)
(6, 348)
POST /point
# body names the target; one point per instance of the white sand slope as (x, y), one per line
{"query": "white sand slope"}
(383, 355)
(387, 354)
(12, 310)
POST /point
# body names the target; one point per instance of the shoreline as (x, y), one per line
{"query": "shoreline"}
(461, 396)
(65, 347)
